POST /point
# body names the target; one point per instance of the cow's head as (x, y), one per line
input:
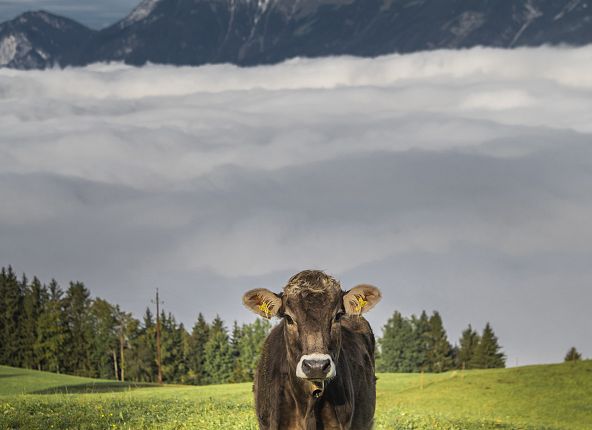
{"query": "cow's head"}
(312, 307)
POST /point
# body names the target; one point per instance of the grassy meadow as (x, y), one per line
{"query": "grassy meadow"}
(535, 397)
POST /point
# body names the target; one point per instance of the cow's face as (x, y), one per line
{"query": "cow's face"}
(313, 307)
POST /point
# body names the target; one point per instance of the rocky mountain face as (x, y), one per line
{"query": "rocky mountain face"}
(37, 40)
(250, 32)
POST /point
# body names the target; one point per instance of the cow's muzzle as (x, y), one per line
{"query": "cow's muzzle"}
(316, 367)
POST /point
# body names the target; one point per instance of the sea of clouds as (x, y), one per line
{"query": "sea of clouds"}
(454, 180)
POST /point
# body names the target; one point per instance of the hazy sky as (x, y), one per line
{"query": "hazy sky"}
(95, 14)
(457, 181)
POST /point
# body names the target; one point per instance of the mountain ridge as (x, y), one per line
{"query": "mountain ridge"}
(252, 32)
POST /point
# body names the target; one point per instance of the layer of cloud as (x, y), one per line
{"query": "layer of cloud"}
(457, 181)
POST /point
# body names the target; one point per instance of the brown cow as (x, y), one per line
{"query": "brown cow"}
(317, 365)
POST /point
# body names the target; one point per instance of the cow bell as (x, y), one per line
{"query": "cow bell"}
(317, 388)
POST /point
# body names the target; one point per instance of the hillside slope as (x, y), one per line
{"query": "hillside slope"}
(14, 381)
(545, 396)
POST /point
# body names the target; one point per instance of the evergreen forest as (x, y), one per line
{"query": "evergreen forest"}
(66, 330)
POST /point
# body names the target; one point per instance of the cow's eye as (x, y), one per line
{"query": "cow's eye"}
(288, 319)
(338, 316)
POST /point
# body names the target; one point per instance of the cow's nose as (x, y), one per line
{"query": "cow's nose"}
(316, 368)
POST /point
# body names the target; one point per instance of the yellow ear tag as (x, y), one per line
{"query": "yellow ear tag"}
(361, 304)
(264, 307)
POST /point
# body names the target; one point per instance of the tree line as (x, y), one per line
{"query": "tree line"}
(45, 327)
(66, 331)
(420, 344)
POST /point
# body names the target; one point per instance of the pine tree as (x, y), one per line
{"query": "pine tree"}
(468, 344)
(250, 345)
(11, 302)
(183, 362)
(150, 340)
(174, 367)
(196, 355)
(51, 331)
(218, 354)
(35, 299)
(572, 355)
(3, 311)
(422, 342)
(168, 354)
(488, 353)
(142, 351)
(79, 338)
(440, 354)
(238, 373)
(399, 346)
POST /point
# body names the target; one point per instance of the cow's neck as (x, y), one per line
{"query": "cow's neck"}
(333, 405)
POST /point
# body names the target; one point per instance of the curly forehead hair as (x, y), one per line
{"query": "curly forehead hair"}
(311, 281)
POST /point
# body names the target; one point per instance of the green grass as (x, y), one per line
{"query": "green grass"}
(23, 381)
(536, 397)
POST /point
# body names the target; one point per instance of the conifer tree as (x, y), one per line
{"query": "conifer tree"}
(488, 353)
(183, 365)
(142, 351)
(197, 342)
(3, 311)
(255, 338)
(51, 331)
(35, 299)
(440, 354)
(168, 349)
(399, 346)
(468, 344)
(218, 361)
(79, 339)
(238, 373)
(150, 340)
(174, 349)
(250, 345)
(11, 302)
(572, 355)
(423, 342)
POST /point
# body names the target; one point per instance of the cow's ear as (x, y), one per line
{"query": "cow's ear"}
(361, 299)
(263, 302)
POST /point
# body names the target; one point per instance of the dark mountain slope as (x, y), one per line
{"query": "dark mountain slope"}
(250, 32)
(36, 40)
